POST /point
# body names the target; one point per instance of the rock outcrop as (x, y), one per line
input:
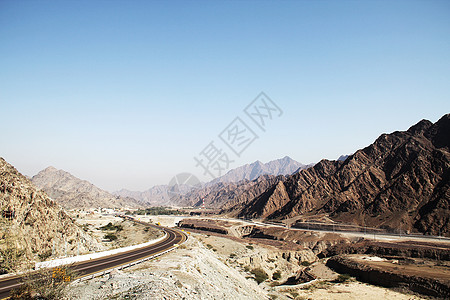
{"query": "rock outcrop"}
(71, 192)
(400, 183)
(395, 277)
(33, 226)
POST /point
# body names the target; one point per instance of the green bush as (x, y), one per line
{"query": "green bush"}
(276, 275)
(110, 236)
(343, 278)
(110, 226)
(249, 247)
(157, 211)
(260, 275)
(45, 255)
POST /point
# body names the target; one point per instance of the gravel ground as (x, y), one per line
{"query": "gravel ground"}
(190, 272)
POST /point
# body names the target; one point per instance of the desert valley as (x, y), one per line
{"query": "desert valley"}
(372, 224)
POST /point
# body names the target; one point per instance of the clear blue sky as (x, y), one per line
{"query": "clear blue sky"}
(126, 93)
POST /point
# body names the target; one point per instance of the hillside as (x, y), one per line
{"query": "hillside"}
(400, 182)
(33, 226)
(71, 192)
(224, 195)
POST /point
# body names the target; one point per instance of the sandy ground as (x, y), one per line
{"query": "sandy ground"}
(345, 291)
(132, 233)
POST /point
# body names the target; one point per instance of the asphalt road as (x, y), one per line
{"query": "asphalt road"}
(108, 262)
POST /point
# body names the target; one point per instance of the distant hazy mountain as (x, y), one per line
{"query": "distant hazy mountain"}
(283, 166)
(343, 157)
(72, 192)
(161, 195)
(154, 196)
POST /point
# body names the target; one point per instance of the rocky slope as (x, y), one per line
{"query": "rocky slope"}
(400, 182)
(72, 192)
(33, 226)
(225, 195)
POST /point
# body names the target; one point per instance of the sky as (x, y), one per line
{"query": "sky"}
(125, 94)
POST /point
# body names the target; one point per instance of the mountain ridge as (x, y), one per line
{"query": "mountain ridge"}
(400, 182)
(159, 195)
(71, 192)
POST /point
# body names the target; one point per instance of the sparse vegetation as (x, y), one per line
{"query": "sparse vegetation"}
(156, 211)
(305, 263)
(110, 236)
(232, 255)
(11, 257)
(249, 247)
(276, 275)
(342, 278)
(260, 275)
(45, 255)
(45, 284)
(112, 227)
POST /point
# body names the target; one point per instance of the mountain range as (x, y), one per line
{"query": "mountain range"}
(160, 195)
(283, 166)
(400, 182)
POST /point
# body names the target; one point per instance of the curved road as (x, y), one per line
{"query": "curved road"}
(97, 265)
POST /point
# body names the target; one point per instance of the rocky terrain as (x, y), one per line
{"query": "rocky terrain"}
(115, 232)
(399, 183)
(213, 266)
(34, 227)
(425, 277)
(417, 266)
(71, 192)
(296, 241)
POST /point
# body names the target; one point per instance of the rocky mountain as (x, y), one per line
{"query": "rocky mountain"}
(155, 196)
(218, 191)
(400, 182)
(282, 166)
(33, 227)
(72, 192)
(225, 194)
